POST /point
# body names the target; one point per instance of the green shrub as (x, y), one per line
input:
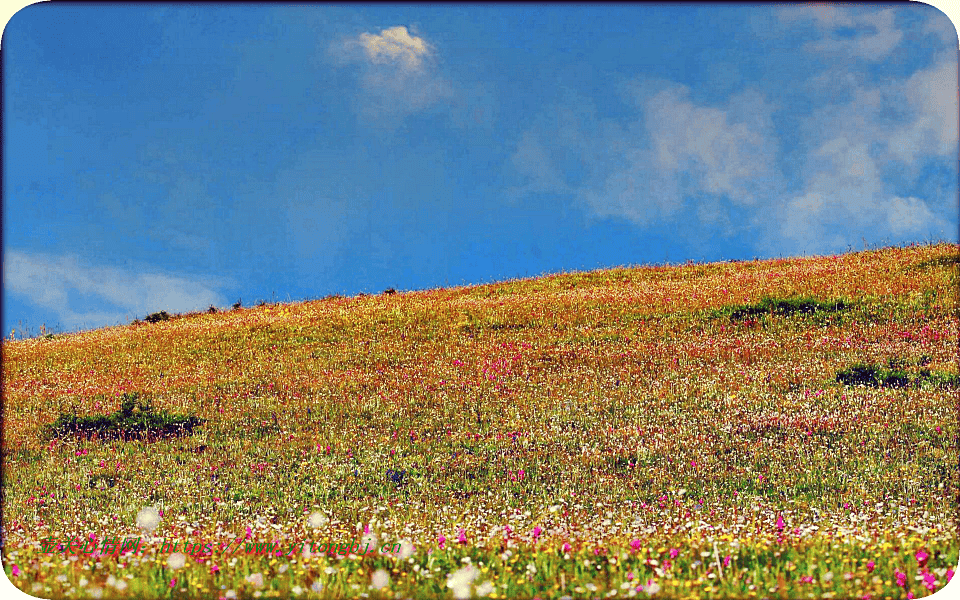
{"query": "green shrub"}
(135, 419)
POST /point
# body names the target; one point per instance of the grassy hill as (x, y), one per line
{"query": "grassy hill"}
(772, 428)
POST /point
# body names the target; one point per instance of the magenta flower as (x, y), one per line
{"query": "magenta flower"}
(901, 578)
(780, 522)
(15, 571)
(674, 552)
(806, 579)
(462, 538)
(630, 576)
(726, 560)
(567, 547)
(441, 540)
(537, 531)
(173, 582)
(929, 580)
(949, 574)
(635, 544)
(214, 569)
(870, 566)
(922, 557)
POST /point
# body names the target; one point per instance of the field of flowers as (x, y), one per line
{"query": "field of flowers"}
(769, 429)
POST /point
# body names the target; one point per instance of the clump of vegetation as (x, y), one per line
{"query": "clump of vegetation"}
(389, 291)
(781, 306)
(157, 317)
(135, 419)
(896, 375)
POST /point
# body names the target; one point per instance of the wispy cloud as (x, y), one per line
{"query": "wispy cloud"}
(875, 34)
(55, 282)
(670, 151)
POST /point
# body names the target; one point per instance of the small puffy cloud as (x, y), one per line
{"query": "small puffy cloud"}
(876, 33)
(397, 72)
(48, 281)
(395, 45)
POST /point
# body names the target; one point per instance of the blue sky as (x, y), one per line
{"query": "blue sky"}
(168, 157)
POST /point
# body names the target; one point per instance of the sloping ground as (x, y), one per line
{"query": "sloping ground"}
(688, 430)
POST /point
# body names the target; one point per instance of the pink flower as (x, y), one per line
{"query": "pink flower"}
(726, 560)
(15, 571)
(870, 566)
(780, 522)
(214, 569)
(537, 531)
(462, 538)
(249, 534)
(922, 557)
(949, 574)
(630, 576)
(567, 547)
(635, 544)
(441, 540)
(929, 580)
(674, 552)
(173, 582)
(806, 579)
(901, 578)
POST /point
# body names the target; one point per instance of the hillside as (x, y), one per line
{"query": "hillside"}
(736, 429)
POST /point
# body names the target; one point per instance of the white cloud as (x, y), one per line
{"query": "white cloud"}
(48, 281)
(727, 157)
(932, 96)
(912, 216)
(674, 150)
(395, 45)
(398, 73)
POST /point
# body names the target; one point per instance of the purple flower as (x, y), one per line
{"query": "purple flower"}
(635, 544)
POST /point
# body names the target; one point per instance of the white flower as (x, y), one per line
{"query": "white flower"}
(283, 568)
(120, 585)
(231, 594)
(297, 590)
(406, 549)
(460, 581)
(176, 560)
(317, 519)
(380, 579)
(485, 588)
(652, 589)
(317, 586)
(148, 518)
(369, 540)
(255, 579)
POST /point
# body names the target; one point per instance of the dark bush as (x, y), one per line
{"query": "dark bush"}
(389, 291)
(135, 419)
(236, 305)
(157, 317)
(783, 307)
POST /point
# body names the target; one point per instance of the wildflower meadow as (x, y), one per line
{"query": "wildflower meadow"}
(779, 428)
